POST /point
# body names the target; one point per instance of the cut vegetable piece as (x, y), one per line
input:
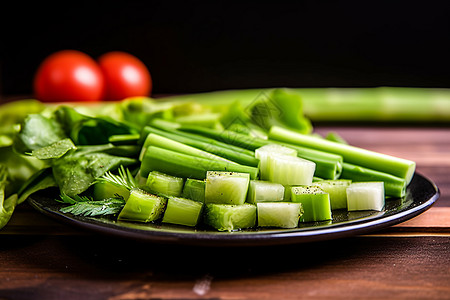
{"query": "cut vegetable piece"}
(393, 186)
(187, 166)
(142, 207)
(226, 187)
(106, 190)
(233, 153)
(315, 202)
(399, 167)
(290, 170)
(157, 140)
(337, 190)
(263, 153)
(182, 211)
(279, 214)
(194, 189)
(165, 184)
(265, 191)
(227, 217)
(366, 196)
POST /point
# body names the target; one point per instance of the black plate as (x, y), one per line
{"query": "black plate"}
(421, 194)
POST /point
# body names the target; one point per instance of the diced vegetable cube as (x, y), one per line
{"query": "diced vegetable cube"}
(315, 202)
(263, 191)
(278, 214)
(142, 207)
(366, 196)
(226, 187)
(228, 217)
(182, 211)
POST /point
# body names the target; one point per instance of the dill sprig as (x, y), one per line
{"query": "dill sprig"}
(123, 179)
(84, 206)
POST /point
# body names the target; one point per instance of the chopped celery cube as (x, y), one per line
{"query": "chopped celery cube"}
(228, 217)
(278, 214)
(194, 189)
(315, 202)
(263, 153)
(263, 191)
(165, 184)
(182, 211)
(106, 190)
(290, 170)
(142, 207)
(226, 187)
(337, 190)
(365, 196)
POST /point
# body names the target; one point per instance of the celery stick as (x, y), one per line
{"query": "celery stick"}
(264, 191)
(290, 170)
(142, 207)
(194, 189)
(315, 202)
(157, 140)
(230, 152)
(328, 165)
(228, 217)
(182, 211)
(337, 190)
(168, 185)
(279, 214)
(263, 153)
(106, 190)
(366, 196)
(187, 166)
(394, 186)
(205, 119)
(226, 187)
(381, 162)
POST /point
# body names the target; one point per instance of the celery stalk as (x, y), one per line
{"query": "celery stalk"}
(365, 196)
(315, 202)
(142, 207)
(194, 189)
(233, 153)
(381, 162)
(228, 217)
(167, 185)
(394, 186)
(279, 214)
(182, 211)
(187, 166)
(264, 191)
(226, 187)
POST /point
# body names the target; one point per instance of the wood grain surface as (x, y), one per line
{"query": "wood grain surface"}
(43, 259)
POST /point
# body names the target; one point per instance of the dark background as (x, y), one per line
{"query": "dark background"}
(195, 46)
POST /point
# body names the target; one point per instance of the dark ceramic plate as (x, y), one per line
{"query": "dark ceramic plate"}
(420, 195)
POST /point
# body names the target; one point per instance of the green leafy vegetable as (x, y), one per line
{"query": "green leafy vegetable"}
(124, 179)
(55, 150)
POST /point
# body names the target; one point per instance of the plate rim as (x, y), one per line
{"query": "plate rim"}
(269, 237)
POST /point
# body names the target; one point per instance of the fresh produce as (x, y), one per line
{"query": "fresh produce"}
(146, 160)
(69, 75)
(125, 76)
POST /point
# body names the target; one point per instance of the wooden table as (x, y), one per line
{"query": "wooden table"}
(42, 259)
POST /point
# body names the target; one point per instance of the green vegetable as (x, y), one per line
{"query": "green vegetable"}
(394, 186)
(315, 203)
(194, 189)
(264, 191)
(187, 166)
(280, 214)
(160, 183)
(337, 189)
(230, 152)
(143, 207)
(290, 170)
(381, 162)
(182, 211)
(55, 150)
(229, 217)
(263, 153)
(365, 196)
(226, 187)
(7, 205)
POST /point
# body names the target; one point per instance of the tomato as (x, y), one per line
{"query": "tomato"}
(125, 75)
(69, 75)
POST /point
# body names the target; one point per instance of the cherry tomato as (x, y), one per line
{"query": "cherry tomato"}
(69, 75)
(125, 75)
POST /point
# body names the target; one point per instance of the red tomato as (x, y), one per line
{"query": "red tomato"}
(125, 76)
(69, 75)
